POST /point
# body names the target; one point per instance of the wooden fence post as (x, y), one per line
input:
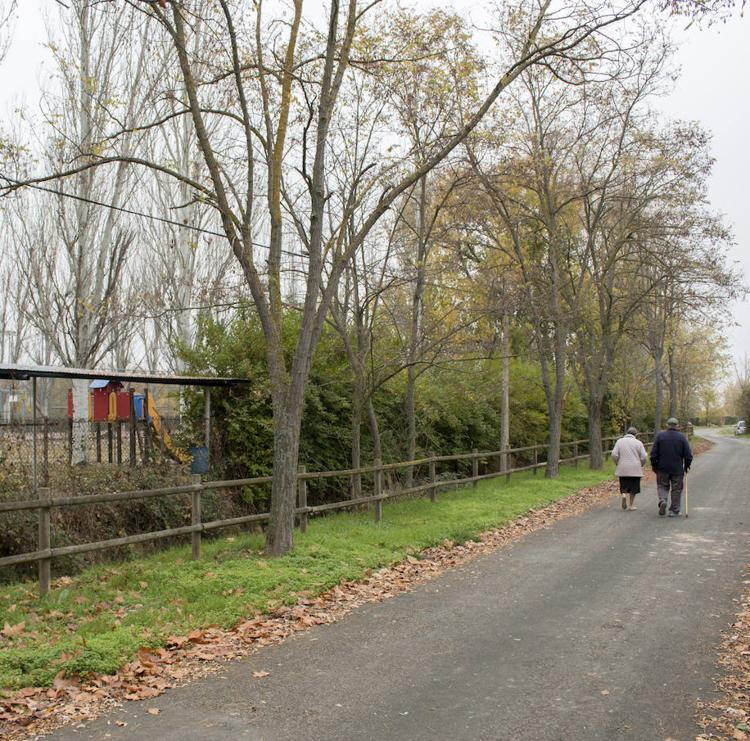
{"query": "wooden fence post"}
(575, 454)
(302, 499)
(195, 515)
(509, 467)
(70, 441)
(433, 480)
(536, 459)
(109, 442)
(131, 393)
(355, 485)
(98, 442)
(378, 486)
(119, 441)
(45, 564)
(475, 468)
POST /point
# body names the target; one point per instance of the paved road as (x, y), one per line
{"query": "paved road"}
(604, 626)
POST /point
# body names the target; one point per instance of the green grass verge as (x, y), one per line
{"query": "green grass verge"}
(96, 621)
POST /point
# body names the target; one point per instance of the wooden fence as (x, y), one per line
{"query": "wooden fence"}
(46, 502)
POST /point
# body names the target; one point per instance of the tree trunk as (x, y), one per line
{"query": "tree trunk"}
(659, 396)
(596, 456)
(556, 406)
(377, 447)
(288, 393)
(80, 421)
(411, 424)
(280, 534)
(672, 383)
(415, 340)
(356, 487)
(553, 448)
(505, 395)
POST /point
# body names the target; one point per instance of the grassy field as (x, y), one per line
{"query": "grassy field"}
(97, 620)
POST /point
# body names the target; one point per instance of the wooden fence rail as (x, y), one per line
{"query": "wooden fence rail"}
(44, 503)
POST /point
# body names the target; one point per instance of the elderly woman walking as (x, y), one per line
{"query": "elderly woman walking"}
(630, 456)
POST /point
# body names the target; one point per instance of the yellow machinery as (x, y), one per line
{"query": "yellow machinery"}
(163, 434)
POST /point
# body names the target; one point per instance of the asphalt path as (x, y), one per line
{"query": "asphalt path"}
(604, 626)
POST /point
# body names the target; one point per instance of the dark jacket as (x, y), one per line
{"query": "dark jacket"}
(671, 452)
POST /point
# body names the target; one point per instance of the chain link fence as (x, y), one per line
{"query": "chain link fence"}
(114, 443)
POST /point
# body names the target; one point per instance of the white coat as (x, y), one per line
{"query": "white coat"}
(629, 455)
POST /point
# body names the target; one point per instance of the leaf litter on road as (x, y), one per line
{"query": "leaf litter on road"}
(729, 716)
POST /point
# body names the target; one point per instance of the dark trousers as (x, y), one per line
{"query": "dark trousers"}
(666, 482)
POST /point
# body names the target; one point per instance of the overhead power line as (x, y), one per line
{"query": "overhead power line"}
(173, 222)
(131, 211)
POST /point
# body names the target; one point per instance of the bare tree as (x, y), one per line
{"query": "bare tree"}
(289, 136)
(688, 269)
(184, 267)
(532, 196)
(619, 180)
(427, 89)
(7, 10)
(72, 251)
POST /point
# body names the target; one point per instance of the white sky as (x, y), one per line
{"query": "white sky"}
(714, 89)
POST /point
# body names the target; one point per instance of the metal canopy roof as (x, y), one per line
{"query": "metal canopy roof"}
(25, 372)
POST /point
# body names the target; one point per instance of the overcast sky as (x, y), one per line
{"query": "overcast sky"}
(714, 89)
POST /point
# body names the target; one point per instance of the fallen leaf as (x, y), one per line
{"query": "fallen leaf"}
(61, 683)
(260, 674)
(13, 630)
(121, 723)
(153, 711)
(605, 692)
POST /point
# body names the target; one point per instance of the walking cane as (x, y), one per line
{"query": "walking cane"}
(686, 496)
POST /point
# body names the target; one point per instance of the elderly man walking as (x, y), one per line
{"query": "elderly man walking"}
(671, 458)
(629, 455)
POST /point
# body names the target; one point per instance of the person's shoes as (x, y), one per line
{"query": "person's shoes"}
(632, 507)
(662, 508)
(673, 514)
(623, 501)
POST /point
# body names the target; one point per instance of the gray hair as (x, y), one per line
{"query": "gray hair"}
(632, 431)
